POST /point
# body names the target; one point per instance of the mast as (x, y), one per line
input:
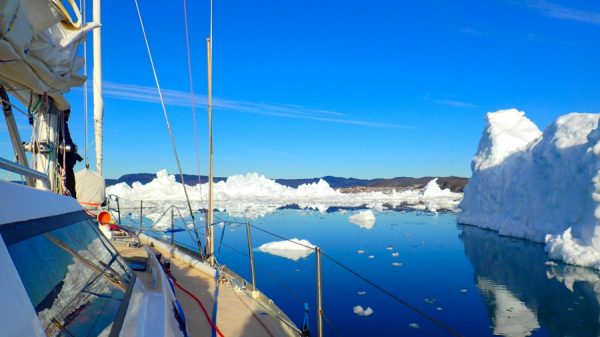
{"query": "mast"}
(209, 218)
(97, 87)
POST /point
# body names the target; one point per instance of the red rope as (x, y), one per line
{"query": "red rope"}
(197, 300)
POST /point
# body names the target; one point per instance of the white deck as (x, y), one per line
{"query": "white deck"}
(21, 203)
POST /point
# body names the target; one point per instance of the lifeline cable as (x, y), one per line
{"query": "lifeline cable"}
(378, 287)
(396, 298)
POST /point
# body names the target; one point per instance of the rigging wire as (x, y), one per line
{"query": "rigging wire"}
(162, 102)
(192, 95)
(82, 5)
(333, 327)
(14, 107)
(193, 102)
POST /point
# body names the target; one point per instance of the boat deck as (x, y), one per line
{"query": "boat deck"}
(238, 314)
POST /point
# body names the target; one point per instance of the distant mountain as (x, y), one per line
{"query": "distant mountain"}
(145, 178)
(456, 184)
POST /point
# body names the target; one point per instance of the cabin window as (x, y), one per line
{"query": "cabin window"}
(73, 276)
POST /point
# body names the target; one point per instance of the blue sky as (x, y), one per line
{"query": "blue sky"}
(347, 88)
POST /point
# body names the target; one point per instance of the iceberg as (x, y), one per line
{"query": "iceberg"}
(293, 249)
(253, 195)
(364, 219)
(359, 311)
(544, 187)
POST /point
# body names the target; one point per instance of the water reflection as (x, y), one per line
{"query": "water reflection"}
(525, 293)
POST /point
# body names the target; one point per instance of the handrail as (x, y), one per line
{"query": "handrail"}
(22, 170)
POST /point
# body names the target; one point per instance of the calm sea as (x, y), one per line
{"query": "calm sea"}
(473, 280)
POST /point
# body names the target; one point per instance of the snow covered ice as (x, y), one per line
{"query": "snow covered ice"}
(539, 186)
(359, 311)
(364, 219)
(253, 195)
(294, 249)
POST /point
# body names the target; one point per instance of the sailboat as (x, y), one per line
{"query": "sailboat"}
(61, 275)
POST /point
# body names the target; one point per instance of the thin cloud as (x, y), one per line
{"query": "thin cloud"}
(471, 31)
(565, 13)
(133, 92)
(455, 104)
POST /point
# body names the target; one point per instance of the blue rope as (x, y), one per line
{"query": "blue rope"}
(305, 327)
(215, 295)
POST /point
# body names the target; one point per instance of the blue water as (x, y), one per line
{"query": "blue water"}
(473, 280)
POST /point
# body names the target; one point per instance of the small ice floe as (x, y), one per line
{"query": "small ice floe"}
(359, 311)
(364, 219)
(439, 308)
(221, 224)
(395, 254)
(397, 264)
(293, 249)
(343, 211)
(551, 263)
(389, 247)
(371, 257)
(190, 226)
(360, 251)
(362, 293)
(463, 290)
(297, 270)
(414, 326)
(430, 300)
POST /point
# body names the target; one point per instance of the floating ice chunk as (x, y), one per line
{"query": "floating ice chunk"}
(463, 290)
(359, 311)
(551, 263)
(414, 326)
(343, 211)
(360, 251)
(389, 247)
(439, 308)
(361, 293)
(371, 257)
(429, 300)
(397, 264)
(395, 254)
(293, 249)
(364, 219)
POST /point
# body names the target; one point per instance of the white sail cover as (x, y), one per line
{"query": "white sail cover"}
(90, 187)
(38, 45)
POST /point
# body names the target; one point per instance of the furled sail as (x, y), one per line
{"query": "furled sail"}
(38, 46)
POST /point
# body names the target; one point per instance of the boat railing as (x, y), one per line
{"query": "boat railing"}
(177, 209)
(171, 214)
(22, 170)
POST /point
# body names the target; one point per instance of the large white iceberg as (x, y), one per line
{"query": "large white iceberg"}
(542, 187)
